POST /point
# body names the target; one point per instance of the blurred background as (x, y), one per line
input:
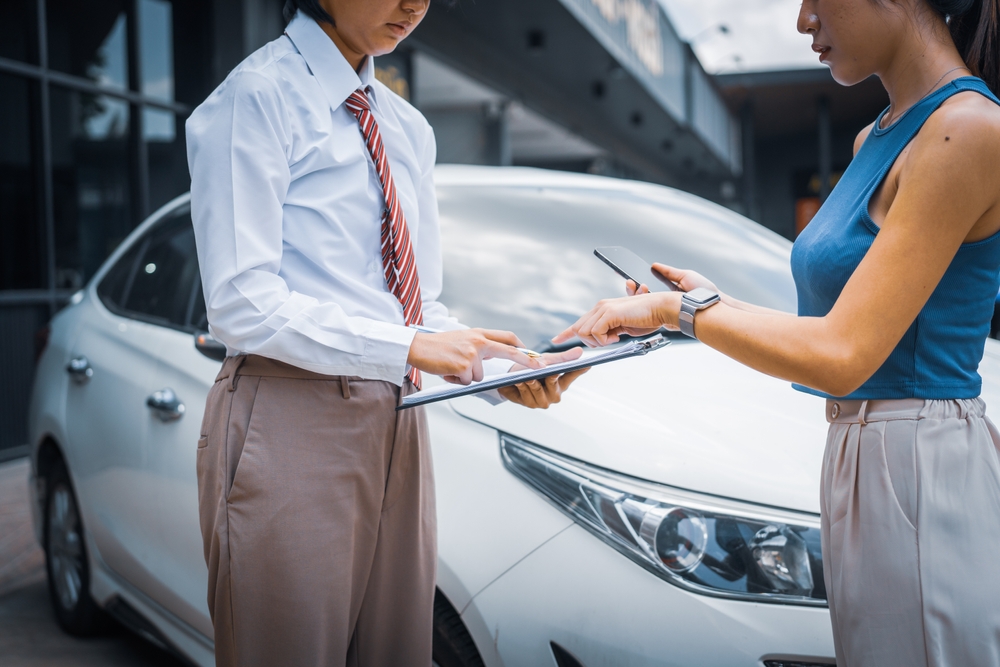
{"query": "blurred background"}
(721, 98)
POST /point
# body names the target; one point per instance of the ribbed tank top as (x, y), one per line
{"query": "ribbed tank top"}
(938, 357)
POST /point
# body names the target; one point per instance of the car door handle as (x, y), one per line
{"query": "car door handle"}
(165, 404)
(79, 369)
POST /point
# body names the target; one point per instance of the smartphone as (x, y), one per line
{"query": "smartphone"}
(632, 267)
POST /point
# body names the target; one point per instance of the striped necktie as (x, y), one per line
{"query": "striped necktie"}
(397, 252)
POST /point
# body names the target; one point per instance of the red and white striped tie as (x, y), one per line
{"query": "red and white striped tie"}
(397, 252)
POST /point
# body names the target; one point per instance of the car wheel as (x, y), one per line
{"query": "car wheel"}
(453, 646)
(66, 559)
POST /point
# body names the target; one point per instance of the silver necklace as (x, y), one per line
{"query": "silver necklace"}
(889, 120)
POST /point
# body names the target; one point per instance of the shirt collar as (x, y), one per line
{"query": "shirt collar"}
(335, 75)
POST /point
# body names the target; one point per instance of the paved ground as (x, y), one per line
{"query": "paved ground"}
(29, 636)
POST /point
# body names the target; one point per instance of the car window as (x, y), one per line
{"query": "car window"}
(116, 281)
(157, 279)
(166, 273)
(521, 258)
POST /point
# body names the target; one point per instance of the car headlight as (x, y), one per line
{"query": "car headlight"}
(705, 544)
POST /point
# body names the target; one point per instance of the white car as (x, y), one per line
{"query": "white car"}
(665, 513)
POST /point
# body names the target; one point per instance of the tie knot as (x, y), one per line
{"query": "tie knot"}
(358, 102)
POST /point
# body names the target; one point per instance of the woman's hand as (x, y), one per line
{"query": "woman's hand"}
(686, 280)
(458, 355)
(633, 315)
(543, 393)
(612, 318)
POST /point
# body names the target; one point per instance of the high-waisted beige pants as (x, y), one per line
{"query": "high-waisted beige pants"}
(317, 512)
(911, 533)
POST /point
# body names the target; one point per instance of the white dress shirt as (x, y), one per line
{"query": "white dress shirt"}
(287, 211)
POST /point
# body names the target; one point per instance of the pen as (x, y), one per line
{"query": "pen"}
(531, 354)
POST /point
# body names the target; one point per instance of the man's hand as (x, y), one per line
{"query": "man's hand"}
(458, 355)
(543, 393)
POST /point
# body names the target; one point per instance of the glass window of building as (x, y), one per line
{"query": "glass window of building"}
(156, 49)
(18, 30)
(20, 228)
(91, 182)
(90, 40)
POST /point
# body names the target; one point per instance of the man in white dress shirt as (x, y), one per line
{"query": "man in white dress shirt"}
(317, 230)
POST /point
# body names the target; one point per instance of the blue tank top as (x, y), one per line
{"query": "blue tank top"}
(938, 357)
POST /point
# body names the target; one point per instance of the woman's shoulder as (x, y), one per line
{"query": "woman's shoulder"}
(967, 123)
(862, 135)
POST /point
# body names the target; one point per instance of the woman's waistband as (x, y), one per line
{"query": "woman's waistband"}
(840, 411)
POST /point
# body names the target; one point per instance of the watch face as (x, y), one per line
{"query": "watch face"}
(700, 296)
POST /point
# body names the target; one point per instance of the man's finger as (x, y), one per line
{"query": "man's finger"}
(537, 391)
(500, 351)
(527, 399)
(553, 390)
(505, 337)
(510, 393)
(566, 379)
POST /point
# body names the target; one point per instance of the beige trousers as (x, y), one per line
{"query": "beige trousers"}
(911, 533)
(317, 513)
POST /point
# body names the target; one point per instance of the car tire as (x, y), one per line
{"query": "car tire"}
(453, 645)
(66, 559)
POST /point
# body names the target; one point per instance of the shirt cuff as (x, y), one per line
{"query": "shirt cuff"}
(387, 346)
(492, 397)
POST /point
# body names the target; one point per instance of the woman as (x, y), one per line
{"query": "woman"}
(896, 278)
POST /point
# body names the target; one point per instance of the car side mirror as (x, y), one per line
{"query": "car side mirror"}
(211, 348)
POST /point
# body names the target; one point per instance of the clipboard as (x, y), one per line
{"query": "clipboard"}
(630, 349)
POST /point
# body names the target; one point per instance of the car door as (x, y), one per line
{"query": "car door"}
(171, 450)
(175, 572)
(112, 364)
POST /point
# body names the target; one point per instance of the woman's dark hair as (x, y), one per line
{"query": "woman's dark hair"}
(975, 27)
(311, 8)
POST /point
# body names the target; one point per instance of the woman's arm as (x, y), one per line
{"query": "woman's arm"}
(688, 280)
(948, 193)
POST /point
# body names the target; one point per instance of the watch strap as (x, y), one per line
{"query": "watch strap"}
(690, 307)
(686, 319)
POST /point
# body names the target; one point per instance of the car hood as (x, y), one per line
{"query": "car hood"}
(685, 416)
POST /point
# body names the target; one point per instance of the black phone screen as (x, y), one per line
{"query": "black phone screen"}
(632, 267)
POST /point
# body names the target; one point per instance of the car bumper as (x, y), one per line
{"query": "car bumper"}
(604, 609)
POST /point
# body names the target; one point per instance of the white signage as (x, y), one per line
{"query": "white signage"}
(642, 24)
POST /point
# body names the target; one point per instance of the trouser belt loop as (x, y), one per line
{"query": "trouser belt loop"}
(233, 372)
(345, 386)
(861, 412)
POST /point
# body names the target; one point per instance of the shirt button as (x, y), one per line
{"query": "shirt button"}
(373, 267)
(835, 410)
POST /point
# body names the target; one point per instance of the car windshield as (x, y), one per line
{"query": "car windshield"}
(521, 258)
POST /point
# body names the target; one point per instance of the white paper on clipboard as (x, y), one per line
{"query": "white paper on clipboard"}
(630, 349)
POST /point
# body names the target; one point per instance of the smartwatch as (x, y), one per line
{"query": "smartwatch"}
(697, 299)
